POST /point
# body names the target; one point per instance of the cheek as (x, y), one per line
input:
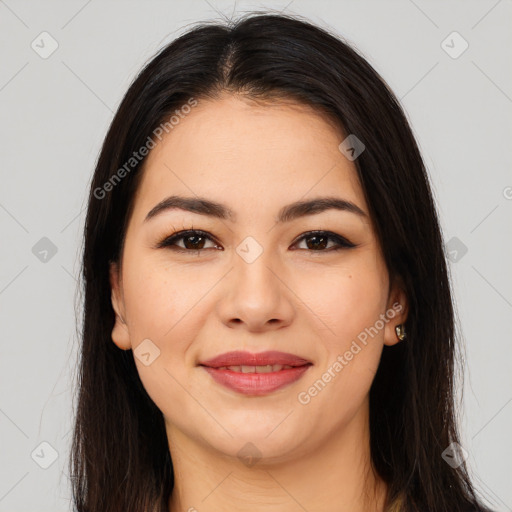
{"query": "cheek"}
(162, 306)
(158, 298)
(348, 301)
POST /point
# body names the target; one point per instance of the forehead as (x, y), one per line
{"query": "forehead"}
(253, 157)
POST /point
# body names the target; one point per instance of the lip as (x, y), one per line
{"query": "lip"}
(239, 358)
(256, 384)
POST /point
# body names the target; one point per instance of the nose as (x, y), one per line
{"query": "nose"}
(255, 296)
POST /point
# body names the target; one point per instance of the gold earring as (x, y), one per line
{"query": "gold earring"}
(400, 332)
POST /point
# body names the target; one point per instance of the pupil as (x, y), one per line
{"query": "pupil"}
(323, 244)
(193, 237)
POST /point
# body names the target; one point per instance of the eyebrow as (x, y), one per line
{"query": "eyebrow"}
(288, 213)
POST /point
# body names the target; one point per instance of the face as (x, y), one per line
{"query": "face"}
(252, 274)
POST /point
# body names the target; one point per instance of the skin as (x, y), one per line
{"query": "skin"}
(311, 302)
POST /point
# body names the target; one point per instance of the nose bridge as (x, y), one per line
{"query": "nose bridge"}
(253, 269)
(256, 294)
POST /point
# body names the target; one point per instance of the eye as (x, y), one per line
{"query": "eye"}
(194, 240)
(320, 241)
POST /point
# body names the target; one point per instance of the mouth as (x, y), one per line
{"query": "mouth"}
(256, 374)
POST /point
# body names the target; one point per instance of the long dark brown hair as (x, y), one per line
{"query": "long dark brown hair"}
(120, 459)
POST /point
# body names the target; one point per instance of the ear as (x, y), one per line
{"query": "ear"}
(120, 332)
(397, 310)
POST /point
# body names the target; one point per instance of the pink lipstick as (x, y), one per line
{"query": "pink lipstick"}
(256, 374)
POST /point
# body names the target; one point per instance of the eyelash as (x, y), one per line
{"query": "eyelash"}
(169, 241)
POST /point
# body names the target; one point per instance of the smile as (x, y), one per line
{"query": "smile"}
(257, 380)
(256, 374)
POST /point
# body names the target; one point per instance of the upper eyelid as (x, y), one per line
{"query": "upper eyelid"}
(178, 235)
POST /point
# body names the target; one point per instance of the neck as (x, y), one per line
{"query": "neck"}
(336, 476)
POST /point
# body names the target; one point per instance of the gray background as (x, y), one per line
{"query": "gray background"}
(55, 113)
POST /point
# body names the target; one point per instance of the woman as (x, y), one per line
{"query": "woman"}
(268, 318)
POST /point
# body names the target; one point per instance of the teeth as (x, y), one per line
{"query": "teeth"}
(266, 369)
(256, 369)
